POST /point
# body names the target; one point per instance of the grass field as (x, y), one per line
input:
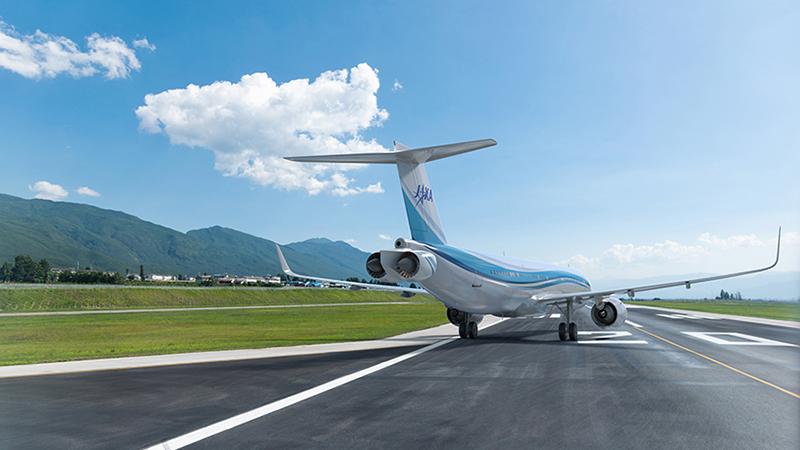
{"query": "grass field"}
(768, 310)
(59, 299)
(26, 340)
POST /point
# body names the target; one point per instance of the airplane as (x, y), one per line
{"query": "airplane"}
(471, 284)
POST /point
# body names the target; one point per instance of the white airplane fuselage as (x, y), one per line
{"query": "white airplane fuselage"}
(482, 284)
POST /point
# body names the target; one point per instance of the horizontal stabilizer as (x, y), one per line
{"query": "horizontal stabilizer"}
(414, 155)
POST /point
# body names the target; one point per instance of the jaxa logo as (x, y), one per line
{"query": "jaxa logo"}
(423, 194)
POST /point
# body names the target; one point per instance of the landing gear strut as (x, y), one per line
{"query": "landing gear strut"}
(568, 329)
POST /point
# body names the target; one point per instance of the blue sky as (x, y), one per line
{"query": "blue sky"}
(634, 138)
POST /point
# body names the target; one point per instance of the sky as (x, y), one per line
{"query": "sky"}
(635, 139)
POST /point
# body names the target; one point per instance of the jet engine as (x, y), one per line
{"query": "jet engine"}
(374, 267)
(415, 265)
(611, 312)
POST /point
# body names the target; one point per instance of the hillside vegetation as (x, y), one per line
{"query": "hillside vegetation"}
(69, 233)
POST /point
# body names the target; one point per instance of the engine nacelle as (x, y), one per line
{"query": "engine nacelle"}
(374, 267)
(611, 312)
(414, 264)
(402, 264)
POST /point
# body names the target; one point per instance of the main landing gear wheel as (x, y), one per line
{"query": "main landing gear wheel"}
(472, 330)
(573, 332)
(562, 331)
(468, 330)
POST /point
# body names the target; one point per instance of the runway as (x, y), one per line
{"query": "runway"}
(660, 382)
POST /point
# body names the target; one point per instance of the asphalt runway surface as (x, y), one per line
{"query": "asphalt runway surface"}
(516, 386)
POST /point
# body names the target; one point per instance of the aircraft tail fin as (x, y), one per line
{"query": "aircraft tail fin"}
(423, 217)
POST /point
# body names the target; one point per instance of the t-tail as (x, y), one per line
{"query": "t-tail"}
(418, 196)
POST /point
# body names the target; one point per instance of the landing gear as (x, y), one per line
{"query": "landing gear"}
(568, 329)
(472, 330)
(468, 330)
(562, 331)
(467, 323)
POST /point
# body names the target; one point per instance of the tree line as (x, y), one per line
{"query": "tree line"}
(25, 269)
(725, 295)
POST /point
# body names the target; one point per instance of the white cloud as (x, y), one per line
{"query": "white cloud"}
(250, 125)
(791, 238)
(46, 190)
(741, 240)
(579, 261)
(396, 86)
(351, 241)
(710, 251)
(385, 237)
(144, 43)
(40, 55)
(87, 191)
(626, 253)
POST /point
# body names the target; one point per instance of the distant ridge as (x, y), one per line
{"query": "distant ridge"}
(66, 233)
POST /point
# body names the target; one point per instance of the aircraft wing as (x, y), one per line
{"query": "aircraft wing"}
(631, 291)
(378, 287)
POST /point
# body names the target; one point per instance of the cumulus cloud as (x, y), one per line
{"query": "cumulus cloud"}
(626, 253)
(250, 125)
(87, 191)
(674, 251)
(144, 43)
(41, 55)
(396, 86)
(385, 237)
(740, 240)
(46, 190)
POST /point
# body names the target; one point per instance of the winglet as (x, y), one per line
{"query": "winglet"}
(778, 252)
(284, 264)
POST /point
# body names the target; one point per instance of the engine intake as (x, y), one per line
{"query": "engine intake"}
(417, 265)
(374, 267)
(611, 312)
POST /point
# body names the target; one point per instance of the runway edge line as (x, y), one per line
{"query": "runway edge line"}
(240, 419)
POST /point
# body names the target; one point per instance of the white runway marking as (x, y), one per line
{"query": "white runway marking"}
(608, 337)
(555, 316)
(633, 324)
(748, 340)
(685, 316)
(224, 425)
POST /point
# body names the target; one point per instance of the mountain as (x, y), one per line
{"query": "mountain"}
(67, 233)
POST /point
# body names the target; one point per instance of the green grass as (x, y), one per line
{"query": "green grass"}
(25, 340)
(768, 310)
(61, 299)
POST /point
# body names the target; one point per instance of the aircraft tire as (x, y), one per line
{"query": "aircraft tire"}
(462, 330)
(562, 331)
(472, 330)
(573, 331)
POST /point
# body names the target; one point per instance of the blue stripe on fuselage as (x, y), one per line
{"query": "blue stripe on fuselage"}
(487, 269)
